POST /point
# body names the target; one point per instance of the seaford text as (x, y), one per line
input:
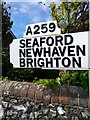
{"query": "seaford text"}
(50, 52)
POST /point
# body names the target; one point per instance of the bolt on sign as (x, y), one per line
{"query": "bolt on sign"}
(43, 46)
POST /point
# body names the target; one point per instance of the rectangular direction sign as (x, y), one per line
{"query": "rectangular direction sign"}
(62, 51)
(41, 29)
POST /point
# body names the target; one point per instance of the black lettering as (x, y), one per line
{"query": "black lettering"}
(22, 62)
(35, 63)
(49, 61)
(29, 30)
(48, 52)
(59, 40)
(28, 42)
(22, 43)
(55, 52)
(22, 53)
(79, 49)
(57, 61)
(37, 52)
(76, 62)
(68, 39)
(62, 50)
(41, 62)
(66, 62)
(44, 28)
(28, 52)
(29, 62)
(71, 51)
(42, 40)
(52, 27)
(35, 42)
(37, 29)
(50, 41)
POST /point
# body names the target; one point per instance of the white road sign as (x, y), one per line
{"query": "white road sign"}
(62, 51)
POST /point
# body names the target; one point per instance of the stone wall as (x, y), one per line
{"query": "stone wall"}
(66, 95)
(26, 109)
(30, 101)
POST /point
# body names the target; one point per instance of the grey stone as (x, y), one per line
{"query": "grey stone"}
(45, 117)
(37, 107)
(20, 107)
(1, 111)
(4, 104)
(31, 116)
(45, 111)
(73, 102)
(51, 106)
(9, 112)
(27, 103)
(23, 109)
(24, 116)
(60, 110)
(14, 101)
(37, 114)
(83, 102)
(73, 91)
(85, 113)
(52, 113)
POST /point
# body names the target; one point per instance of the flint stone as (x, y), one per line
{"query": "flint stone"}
(19, 107)
(64, 91)
(60, 110)
(4, 104)
(45, 111)
(83, 102)
(53, 113)
(73, 91)
(73, 101)
(31, 116)
(82, 94)
(1, 111)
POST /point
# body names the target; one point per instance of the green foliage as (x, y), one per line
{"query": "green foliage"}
(6, 25)
(68, 16)
(6, 19)
(71, 16)
(77, 78)
(65, 78)
(49, 83)
(6, 66)
(3, 78)
(84, 80)
(19, 74)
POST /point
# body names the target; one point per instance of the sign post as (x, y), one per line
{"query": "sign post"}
(43, 46)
